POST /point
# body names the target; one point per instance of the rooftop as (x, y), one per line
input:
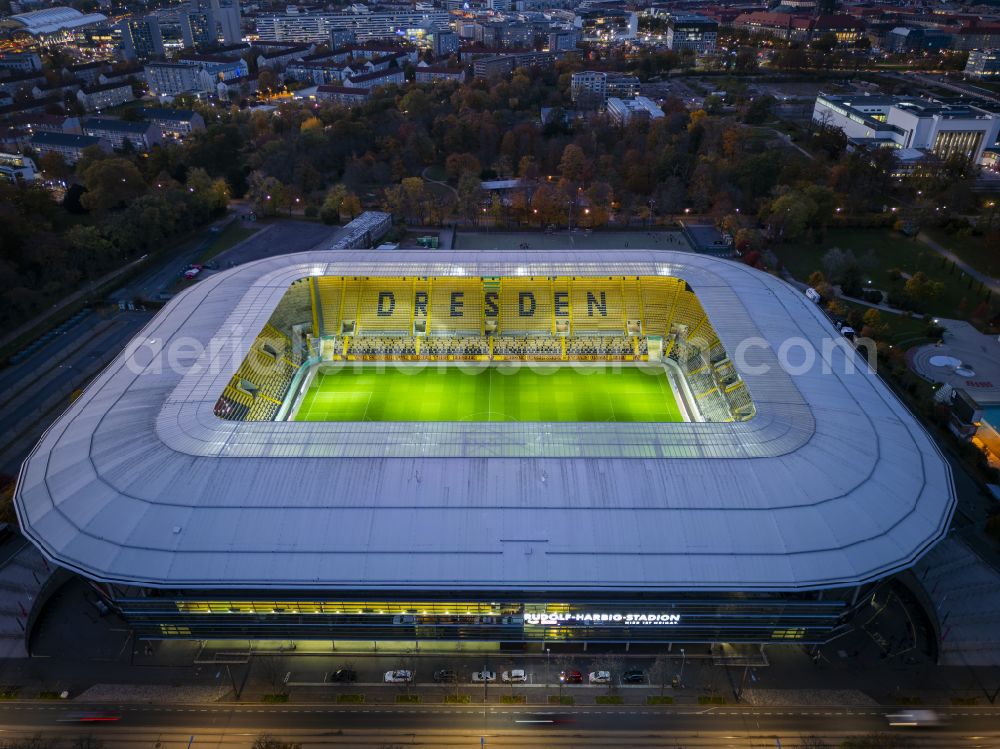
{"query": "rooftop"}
(832, 483)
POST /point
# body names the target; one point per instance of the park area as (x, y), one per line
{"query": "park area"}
(478, 392)
(885, 260)
(574, 240)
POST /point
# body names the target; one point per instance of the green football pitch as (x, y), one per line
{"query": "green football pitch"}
(471, 393)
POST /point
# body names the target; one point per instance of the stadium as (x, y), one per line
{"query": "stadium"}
(514, 448)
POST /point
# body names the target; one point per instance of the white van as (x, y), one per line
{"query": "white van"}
(812, 295)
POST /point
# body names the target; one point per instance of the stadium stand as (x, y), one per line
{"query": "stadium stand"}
(329, 293)
(541, 347)
(526, 306)
(386, 306)
(456, 306)
(597, 306)
(456, 317)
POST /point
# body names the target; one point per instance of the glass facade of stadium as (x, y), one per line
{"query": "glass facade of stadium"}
(805, 618)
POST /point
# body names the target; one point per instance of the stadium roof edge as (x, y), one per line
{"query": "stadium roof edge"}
(834, 483)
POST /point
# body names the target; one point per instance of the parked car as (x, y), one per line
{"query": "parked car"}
(515, 676)
(600, 677)
(571, 677)
(399, 676)
(481, 676)
(445, 676)
(633, 676)
(344, 674)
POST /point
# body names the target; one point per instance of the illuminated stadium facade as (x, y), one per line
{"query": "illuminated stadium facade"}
(519, 448)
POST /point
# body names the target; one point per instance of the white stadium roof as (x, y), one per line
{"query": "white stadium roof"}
(51, 20)
(831, 483)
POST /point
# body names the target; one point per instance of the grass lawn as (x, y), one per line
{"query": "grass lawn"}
(229, 237)
(973, 250)
(491, 393)
(889, 250)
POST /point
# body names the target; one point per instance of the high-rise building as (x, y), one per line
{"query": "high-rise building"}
(208, 22)
(141, 38)
(445, 42)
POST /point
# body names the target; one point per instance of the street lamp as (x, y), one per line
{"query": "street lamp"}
(680, 676)
(548, 666)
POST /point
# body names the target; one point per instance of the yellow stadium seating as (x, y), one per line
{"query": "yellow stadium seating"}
(597, 306)
(329, 290)
(456, 306)
(526, 305)
(386, 306)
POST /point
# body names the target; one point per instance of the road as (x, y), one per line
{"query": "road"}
(463, 725)
(36, 390)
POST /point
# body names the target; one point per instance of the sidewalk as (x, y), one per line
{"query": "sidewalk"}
(991, 283)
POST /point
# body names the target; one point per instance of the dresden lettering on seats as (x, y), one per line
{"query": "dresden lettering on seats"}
(527, 304)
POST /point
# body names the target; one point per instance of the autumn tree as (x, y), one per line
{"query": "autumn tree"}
(110, 184)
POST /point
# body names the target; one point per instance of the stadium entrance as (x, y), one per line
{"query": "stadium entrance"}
(522, 624)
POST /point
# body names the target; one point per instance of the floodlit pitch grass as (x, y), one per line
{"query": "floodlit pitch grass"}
(464, 393)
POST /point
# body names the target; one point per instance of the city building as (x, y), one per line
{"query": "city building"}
(606, 25)
(983, 64)
(444, 42)
(104, 95)
(432, 73)
(142, 38)
(497, 66)
(16, 167)
(69, 145)
(87, 72)
(904, 122)
(197, 510)
(317, 27)
(277, 58)
(378, 78)
(341, 37)
(591, 87)
(141, 136)
(174, 124)
(347, 95)
(917, 39)
(564, 40)
(21, 62)
(209, 22)
(691, 31)
(172, 78)
(624, 111)
(978, 35)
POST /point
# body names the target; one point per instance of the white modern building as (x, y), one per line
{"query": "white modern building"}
(904, 122)
(317, 27)
(689, 31)
(983, 64)
(624, 111)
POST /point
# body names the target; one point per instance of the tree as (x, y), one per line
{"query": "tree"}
(921, 290)
(614, 664)
(272, 669)
(838, 263)
(660, 672)
(54, 166)
(267, 741)
(329, 212)
(573, 164)
(267, 81)
(872, 325)
(790, 214)
(110, 184)
(460, 164)
(267, 195)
